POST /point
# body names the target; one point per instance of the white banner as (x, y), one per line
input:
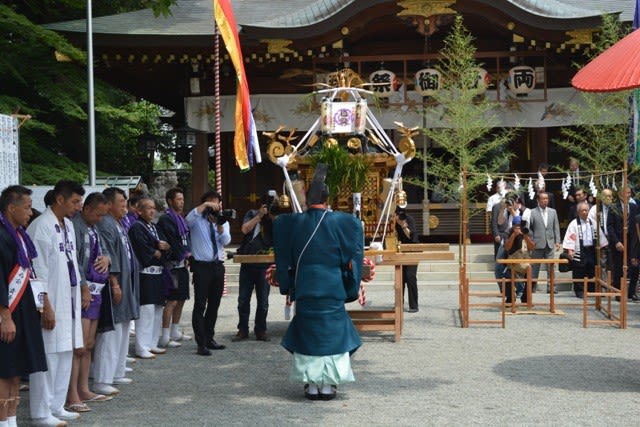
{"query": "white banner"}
(9, 152)
(296, 111)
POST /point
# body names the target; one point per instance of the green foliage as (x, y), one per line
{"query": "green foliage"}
(337, 160)
(597, 146)
(41, 166)
(55, 94)
(345, 170)
(356, 172)
(469, 143)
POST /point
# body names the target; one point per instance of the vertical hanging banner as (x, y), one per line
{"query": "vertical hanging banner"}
(9, 151)
(245, 140)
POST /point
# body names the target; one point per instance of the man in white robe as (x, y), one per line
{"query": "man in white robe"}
(57, 268)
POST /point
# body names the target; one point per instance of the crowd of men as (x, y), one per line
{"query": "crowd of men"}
(76, 277)
(595, 233)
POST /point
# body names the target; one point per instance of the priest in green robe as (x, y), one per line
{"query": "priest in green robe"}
(319, 257)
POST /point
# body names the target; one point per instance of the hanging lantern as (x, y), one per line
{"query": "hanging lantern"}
(483, 80)
(384, 83)
(428, 81)
(522, 80)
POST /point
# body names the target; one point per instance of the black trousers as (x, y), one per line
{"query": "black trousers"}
(208, 284)
(616, 265)
(410, 279)
(585, 269)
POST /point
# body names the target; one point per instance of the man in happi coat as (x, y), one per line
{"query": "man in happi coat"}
(175, 229)
(57, 267)
(319, 257)
(151, 250)
(120, 297)
(21, 346)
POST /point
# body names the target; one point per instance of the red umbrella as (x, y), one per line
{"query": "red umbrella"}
(615, 69)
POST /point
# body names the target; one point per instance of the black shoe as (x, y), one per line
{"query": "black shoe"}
(213, 345)
(579, 295)
(240, 336)
(413, 310)
(203, 351)
(635, 298)
(262, 336)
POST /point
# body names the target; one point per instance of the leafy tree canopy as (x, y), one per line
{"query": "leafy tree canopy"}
(55, 93)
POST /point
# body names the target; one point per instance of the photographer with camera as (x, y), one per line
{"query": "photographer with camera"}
(518, 245)
(501, 223)
(209, 225)
(257, 227)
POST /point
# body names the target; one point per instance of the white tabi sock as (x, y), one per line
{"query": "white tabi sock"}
(4, 423)
(326, 389)
(313, 389)
(13, 421)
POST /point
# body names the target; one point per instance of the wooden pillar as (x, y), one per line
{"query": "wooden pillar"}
(539, 143)
(200, 167)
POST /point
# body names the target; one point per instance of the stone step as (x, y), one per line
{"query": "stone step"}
(430, 272)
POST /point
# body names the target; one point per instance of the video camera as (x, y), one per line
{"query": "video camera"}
(273, 203)
(220, 216)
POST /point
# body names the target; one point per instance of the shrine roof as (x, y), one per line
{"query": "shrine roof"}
(195, 17)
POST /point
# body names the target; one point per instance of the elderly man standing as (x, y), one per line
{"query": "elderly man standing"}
(580, 241)
(123, 289)
(151, 251)
(57, 267)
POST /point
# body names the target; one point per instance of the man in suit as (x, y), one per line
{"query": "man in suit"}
(545, 231)
(615, 236)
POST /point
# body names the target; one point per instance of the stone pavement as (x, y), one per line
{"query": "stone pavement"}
(540, 370)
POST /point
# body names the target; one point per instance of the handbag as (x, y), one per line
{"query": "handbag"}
(522, 253)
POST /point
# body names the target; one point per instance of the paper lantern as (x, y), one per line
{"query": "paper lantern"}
(522, 80)
(428, 81)
(483, 80)
(384, 83)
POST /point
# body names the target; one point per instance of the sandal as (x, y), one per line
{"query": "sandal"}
(78, 407)
(98, 398)
(311, 396)
(328, 396)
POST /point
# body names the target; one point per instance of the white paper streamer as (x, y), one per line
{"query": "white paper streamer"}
(489, 182)
(565, 190)
(532, 192)
(592, 187)
(516, 182)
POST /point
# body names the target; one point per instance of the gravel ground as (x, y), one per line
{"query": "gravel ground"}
(539, 370)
